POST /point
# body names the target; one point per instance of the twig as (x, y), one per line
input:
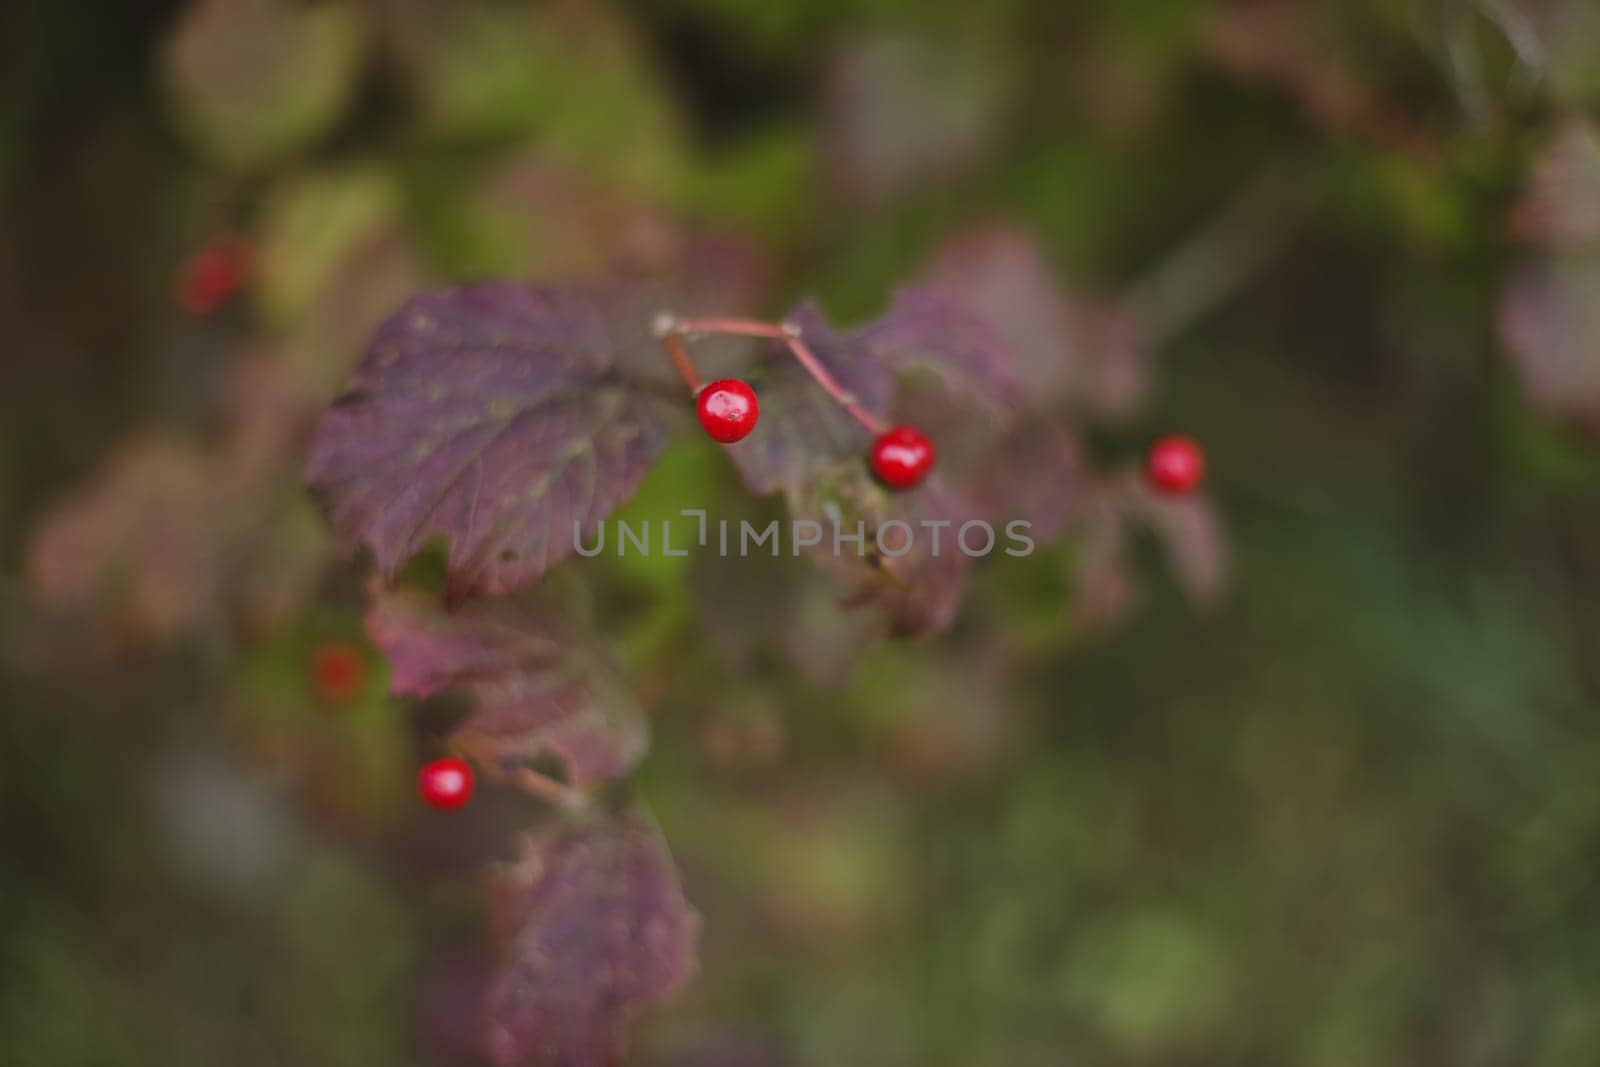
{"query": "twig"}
(548, 789)
(679, 354)
(814, 367)
(672, 330)
(737, 327)
(1214, 264)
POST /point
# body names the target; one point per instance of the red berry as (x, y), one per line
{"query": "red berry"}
(902, 457)
(446, 783)
(213, 275)
(1175, 465)
(728, 410)
(338, 672)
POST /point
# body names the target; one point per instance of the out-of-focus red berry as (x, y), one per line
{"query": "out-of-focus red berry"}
(1175, 465)
(338, 672)
(214, 275)
(446, 783)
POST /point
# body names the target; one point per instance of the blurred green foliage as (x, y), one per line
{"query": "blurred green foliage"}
(1347, 815)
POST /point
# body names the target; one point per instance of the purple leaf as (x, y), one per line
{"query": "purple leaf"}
(143, 547)
(1188, 530)
(697, 273)
(567, 225)
(1561, 205)
(1192, 535)
(488, 415)
(536, 687)
(1105, 587)
(136, 544)
(813, 451)
(803, 431)
(1085, 352)
(596, 928)
(1029, 469)
(1035, 473)
(921, 590)
(934, 330)
(1550, 322)
(915, 583)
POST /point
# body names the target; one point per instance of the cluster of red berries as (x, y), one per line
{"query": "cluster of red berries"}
(901, 456)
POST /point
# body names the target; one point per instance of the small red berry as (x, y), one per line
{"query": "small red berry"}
(213, 275)
(728, 410)
(338, 672)
(902, 457)
(446, 783)
(1175, 465)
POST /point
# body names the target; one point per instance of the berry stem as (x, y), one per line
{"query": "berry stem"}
(830, 385)
(548, 789)
(737, 327)
(671, 330)
(679, 354)
(535, 784)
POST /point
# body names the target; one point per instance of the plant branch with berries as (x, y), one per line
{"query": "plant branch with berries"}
(504, 420)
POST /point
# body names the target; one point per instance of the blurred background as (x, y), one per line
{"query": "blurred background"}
(1311, 776)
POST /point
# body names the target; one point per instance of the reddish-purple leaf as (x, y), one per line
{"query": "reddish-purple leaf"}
(1104, 585)
(172, 537)
(138, 544)
(1088, 353)
(1300, 48)
(1548, 316)
(488, 415)
(1034, 473)
(1192, 535)
(1188, 530)
(596, 928)
(696, 273)
(536, 686)
(1029, 469)
(911, 572)
(1550, 321)
(803, 431)
(920, 591)
(934, 330)
(563, 225)
(1561, 205)
(809, 448)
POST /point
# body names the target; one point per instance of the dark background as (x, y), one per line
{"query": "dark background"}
(1326, 792)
